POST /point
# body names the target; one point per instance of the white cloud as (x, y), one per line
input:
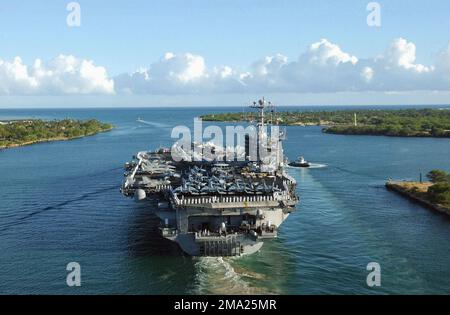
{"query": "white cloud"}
(14, 77)
(396, 70)
(61, 75)
(367, 74)
(183, 68)
(179, 74)
(324, 53)
(402, 54)
(324, 67)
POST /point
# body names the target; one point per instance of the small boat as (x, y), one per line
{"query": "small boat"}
(300, 162)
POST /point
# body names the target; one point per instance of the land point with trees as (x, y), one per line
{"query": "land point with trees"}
(430, 122)
(23, 132)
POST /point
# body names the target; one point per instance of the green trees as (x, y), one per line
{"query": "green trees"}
(404, 123)
(440, 191)
(436, 176)
(22, 132)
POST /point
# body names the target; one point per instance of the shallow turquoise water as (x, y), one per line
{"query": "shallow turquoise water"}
(60, 202)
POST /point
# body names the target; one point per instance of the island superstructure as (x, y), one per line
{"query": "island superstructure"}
(217, 206)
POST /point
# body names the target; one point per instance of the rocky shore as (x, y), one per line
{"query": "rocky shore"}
(416, 192)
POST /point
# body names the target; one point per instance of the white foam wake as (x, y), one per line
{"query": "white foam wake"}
(216, 275)
(311, 165)
(317, 165)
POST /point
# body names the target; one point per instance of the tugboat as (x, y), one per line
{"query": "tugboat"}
(300, 162)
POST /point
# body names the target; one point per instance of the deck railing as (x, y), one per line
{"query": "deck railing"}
(183, 201)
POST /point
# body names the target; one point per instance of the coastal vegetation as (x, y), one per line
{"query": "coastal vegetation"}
(23, 132)
(405, 122)
(435, 193)
(439, 192)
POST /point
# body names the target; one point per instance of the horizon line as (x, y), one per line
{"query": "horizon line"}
(219, 106)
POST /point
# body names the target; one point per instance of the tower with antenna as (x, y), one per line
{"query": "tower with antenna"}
(263, 138)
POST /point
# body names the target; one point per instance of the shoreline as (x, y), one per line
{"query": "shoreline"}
(296, 124)
(414, 123)
(384, 135)
(406, 189)
(325, 126)
(16, 145)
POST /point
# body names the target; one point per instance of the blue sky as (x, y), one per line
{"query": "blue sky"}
(124, 36)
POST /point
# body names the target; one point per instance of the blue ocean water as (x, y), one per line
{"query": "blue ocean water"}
(60, 202)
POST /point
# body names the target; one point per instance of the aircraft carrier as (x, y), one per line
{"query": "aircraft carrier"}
(217, 206)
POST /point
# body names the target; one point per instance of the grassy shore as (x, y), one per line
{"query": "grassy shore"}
(25, 132)
(418, 193)
(401, 123)
(434, 194)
